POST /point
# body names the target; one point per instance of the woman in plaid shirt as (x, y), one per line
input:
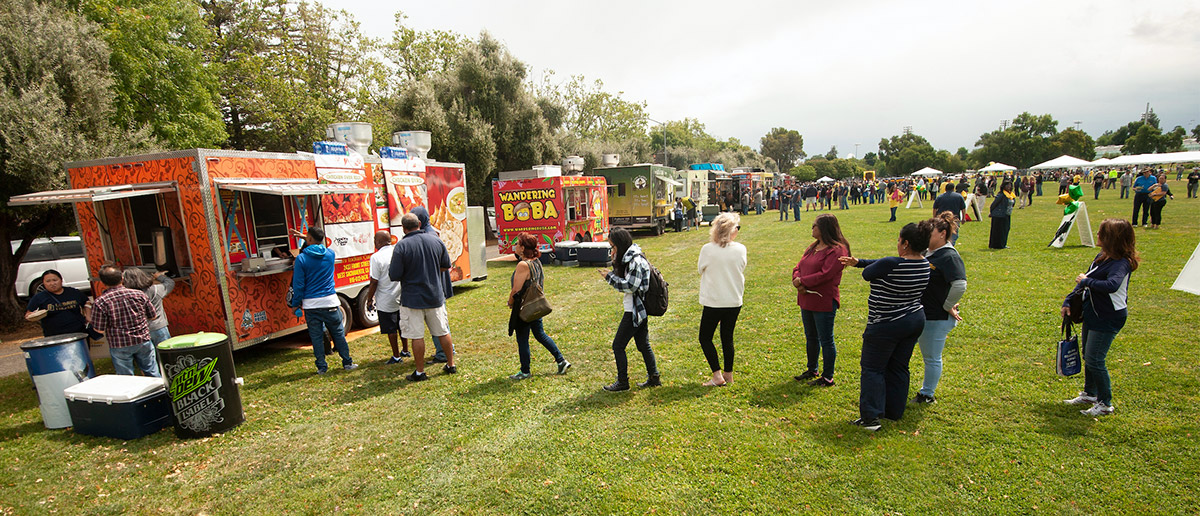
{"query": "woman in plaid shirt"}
(631, 275)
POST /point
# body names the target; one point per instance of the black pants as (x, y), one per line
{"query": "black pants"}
(1191, 190)
(1062, 189)
(1156, 211)
(887, 348)
(999, 237)
(727, 319)
(1141, 201)
(641, 336)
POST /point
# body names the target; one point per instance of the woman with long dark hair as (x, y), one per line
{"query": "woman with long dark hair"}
(947, 283)
(1105, 291)
(721, 264)
(894, 198)
(156, 288)
(527, 274)
(1001, 214)
(630, 274)
(895, 320)
(816, 278)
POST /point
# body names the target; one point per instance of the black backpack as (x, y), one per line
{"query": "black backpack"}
(656, 296)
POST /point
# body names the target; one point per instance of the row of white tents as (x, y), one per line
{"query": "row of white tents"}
(1069, 162)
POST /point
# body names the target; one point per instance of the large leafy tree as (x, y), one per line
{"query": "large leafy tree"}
(1120, 134)
(1023, 144)
(1073, 142)
(907, 153)
(784, 146)
(161, 78)
(55, 106)
(591, 113)
(289, 69)
(480, 113)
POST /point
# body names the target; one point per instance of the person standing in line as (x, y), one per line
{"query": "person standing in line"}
(1126, 182)
(758, 202)
(1001, 214)
(745, 202)
(417, 263)
(66, 307)
(385, 296)
(895, 319)
(1193, 181)
(1098, 180)
(631, 275)
(722, 266)
(1141, 196)
(156, 288)
(785, 201)
(123, 315)
(1158, 199)
(894, 197)
(526, 274)
(947, 284)
(816, 278)
(439, 343)
(1105, 291)
(313, 291)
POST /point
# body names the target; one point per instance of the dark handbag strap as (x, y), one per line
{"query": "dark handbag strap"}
(1067, 327)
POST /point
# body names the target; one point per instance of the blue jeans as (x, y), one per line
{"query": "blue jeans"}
(796, 210)
(932, 342)
(1095, 374)
(143, 354)
(319, 320)
(887, 348)
(783, 212)
(893, 219)
(818, 333)
(539, 333)
(1124, 192)
(159, 335)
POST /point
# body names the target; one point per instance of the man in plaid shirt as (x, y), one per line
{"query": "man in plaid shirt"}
(123, 315)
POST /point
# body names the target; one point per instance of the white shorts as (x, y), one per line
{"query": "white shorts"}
(414, 320)
(812, 200)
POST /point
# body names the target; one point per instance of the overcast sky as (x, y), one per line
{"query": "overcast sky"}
(850, 72)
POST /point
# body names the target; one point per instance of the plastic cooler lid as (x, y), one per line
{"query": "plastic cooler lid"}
(594, 245)
(192, 340)
(111, 388)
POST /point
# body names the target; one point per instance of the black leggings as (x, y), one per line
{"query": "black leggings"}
(641, 336)
(1156, 211)
(727, 319)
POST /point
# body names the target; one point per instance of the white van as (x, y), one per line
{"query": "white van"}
(63, 254)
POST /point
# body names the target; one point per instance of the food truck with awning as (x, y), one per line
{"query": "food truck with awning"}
(639, 196)
(549, 205)
(227, 224)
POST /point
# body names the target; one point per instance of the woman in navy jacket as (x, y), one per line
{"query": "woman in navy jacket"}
(1105, 288)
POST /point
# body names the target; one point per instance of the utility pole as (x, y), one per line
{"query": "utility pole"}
(1077, 122)
(1003, 125)
(907, 130)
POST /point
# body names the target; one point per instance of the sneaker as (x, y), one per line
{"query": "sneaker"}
(617, 386)
(394, 360)
(807, 375)
(519, 376)
(350, 367)
(435, 360)
(651, 381)
(822, 382)
(405, 354)
(1099, 409)
(449, 369)
(1082, 399)
(417, 377)
(868, 424)
(321, 371)
(923, 398)
(563, 366)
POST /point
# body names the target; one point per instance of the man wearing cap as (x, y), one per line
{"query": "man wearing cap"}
(417, 263)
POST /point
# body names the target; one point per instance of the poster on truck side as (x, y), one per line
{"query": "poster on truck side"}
(441, 189)
(552, 209)
(349, 217)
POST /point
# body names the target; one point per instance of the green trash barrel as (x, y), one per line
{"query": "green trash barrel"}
(202, 383)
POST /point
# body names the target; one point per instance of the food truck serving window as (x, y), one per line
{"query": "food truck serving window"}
(258, 215)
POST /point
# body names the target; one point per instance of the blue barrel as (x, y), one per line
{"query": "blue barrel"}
(56, 363)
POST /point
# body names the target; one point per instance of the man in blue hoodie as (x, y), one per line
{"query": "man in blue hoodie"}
(313, 290)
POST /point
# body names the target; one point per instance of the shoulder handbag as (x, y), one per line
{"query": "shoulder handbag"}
(1075, 306)
(1066, 358)
(534, 305)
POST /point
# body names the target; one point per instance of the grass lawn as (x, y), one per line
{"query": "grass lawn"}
(998, 441)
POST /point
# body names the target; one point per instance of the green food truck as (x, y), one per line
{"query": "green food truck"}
(639, 196)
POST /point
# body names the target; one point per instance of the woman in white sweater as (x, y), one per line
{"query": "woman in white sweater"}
(722, 264)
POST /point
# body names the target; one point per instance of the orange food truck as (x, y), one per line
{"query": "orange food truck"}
(225, 224)
(550, 206)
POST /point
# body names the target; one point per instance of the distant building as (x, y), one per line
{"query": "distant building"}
(1189, 144)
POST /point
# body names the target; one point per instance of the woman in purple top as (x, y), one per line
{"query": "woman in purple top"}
(816, 279)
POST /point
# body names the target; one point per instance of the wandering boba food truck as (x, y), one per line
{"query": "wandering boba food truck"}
(227, 225)
(550, 206)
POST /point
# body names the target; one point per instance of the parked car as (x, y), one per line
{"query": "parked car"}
(63, 254)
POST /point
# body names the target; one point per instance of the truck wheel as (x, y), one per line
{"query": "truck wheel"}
(344, 308)
(364, 316)
(35, 286)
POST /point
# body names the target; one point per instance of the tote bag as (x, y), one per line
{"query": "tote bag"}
(1066, 358)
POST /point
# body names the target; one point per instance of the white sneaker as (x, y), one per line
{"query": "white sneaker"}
(1099, 409)
(1082, 399)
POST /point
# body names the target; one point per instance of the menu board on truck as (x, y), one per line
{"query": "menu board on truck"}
(441, 189)
(349, 217)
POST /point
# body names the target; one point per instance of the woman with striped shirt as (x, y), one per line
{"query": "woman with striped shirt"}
(895, 319)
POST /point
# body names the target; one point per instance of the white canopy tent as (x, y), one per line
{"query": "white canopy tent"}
(826, 179)
(1156, 159)
(927, 172)
(998, 167)
(1102, 162)
(1063, 161)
